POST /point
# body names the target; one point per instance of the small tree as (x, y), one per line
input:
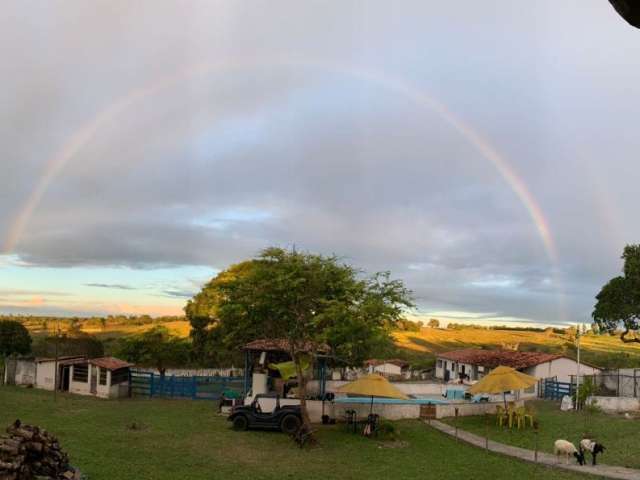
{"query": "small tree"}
(155, 348)
(618, 303)
(14, 338)
(434, 323)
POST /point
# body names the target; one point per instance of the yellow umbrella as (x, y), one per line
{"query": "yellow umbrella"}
(373, 385)
(502, 380)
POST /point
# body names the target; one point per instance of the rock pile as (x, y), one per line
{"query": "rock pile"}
(31, 453)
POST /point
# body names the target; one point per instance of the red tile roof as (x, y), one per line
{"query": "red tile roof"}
(393, 361)
(281, 344)
(494, 358)
(110, 363)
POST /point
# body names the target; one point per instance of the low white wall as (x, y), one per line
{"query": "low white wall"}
(410, 388)
(45, 375)
(388, 411)
(470, 409)
(616, 404)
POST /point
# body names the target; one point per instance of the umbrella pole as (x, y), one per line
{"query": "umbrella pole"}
(504, 396)
(371, 409)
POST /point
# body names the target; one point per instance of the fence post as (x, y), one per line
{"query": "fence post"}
(486, 431)
(456, 422)
(535, 441)
(151, 385)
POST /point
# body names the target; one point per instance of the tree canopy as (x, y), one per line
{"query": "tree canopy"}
(14, 338)
(155, 348)
(618, 303)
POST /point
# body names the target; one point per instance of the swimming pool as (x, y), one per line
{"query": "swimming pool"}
(392, 401)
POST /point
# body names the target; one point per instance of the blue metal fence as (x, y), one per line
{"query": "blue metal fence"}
(196, 387)
(555, 390)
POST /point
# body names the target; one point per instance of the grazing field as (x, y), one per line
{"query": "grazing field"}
(601, 350)
(162, 440)
(618, 434)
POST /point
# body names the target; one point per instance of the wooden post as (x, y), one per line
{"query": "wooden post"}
(486, 432)
(456, 422)
(535, 441)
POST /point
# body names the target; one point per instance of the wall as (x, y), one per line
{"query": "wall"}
(197, 372)
(562, 368)
(388, 369)
(409, 388)
(45, 375)
(25, 372)
(388, 411)
(616, 404)
(470, 409)
(80, 388)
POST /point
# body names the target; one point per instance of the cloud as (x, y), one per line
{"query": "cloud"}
(218, 165)
(114, 286)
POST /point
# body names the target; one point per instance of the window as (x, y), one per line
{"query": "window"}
(103, 376)
(81, 373)
(439, 364)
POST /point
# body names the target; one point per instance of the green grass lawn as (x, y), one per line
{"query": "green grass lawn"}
(185, 439)
(619, 435)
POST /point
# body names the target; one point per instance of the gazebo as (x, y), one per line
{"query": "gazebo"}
(261, 353)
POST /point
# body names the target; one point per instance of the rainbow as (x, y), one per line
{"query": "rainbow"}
(387, 82)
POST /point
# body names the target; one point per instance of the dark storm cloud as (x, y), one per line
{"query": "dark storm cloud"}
(290, 148)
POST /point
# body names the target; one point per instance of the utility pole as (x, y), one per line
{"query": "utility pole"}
(55, 363)
(578, 372)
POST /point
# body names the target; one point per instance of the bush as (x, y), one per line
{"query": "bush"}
(387, 430)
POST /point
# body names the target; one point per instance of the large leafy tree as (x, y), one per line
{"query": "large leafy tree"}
(306, 299)
(14, 338)
(618, 303)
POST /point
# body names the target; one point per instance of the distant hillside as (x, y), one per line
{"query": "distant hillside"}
(102, 327)
(601, 350)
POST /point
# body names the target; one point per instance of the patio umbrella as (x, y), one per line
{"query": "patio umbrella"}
(373, 385)
(502, 380)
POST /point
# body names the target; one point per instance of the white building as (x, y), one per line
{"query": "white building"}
(392, 368)
(105, 377)
(472, 364)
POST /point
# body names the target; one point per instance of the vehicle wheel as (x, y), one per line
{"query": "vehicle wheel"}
(290, 424)
(240, 423)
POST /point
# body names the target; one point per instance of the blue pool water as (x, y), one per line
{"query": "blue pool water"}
(392, 401)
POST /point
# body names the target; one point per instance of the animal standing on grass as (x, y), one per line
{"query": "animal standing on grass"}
(588, 445)
(563, 447)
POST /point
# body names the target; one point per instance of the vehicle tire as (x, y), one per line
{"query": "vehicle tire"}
(240, 422)
(290, 424)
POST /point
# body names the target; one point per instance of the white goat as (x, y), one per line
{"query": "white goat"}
(563, 447)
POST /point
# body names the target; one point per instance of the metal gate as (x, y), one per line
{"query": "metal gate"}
(554, 390)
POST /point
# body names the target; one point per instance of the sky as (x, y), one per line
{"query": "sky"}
(483, 152)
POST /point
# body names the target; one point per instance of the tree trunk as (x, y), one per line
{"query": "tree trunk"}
(302, 391)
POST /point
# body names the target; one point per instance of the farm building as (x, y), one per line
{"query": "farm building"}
(472, 364)
(392, 368)
(103, 377)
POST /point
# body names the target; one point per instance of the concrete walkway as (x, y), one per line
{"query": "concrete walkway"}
(605, 471)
